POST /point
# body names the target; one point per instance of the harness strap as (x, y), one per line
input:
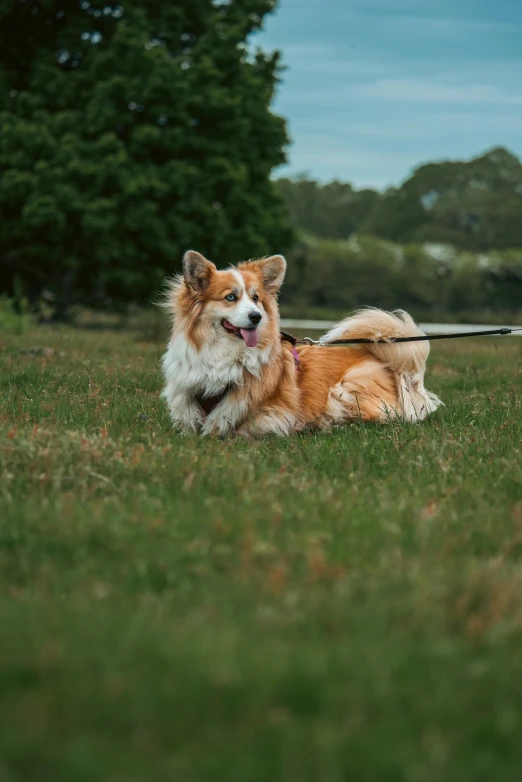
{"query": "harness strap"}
(209, 403)
(293, 341)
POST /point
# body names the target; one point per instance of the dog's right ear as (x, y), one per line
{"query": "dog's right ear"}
(197, 271)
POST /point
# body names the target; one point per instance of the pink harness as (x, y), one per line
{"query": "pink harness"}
(293, 341)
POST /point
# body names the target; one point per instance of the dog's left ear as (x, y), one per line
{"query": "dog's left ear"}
(197, 271)
(273, 270)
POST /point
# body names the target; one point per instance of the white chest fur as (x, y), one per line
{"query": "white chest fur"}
(221, 362)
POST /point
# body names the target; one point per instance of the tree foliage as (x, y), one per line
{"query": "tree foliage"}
(473, 205)
(331, 277)
(333, 210)
(128, 132)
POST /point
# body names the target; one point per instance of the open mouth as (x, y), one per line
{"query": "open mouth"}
(250, 336)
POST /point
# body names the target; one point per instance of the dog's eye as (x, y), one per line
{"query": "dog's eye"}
(231, 297)
(255, 298)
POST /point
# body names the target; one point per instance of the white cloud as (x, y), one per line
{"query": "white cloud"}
(426, 92)
(398, 91)
(431, 24)
(366, 169)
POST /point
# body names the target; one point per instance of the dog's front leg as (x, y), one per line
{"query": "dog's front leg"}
(279, 421)
(226, 417)
(184, 410)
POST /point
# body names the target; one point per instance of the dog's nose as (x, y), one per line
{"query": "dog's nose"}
(254, 317)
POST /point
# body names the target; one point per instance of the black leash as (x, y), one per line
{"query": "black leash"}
(308, 341)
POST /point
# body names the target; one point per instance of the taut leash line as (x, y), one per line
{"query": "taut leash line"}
(390, 340)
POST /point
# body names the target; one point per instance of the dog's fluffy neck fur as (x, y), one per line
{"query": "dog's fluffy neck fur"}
(220, 362)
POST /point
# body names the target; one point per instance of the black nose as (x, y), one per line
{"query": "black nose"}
(254, 317)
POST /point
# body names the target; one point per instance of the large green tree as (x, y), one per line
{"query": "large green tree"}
(128, 132)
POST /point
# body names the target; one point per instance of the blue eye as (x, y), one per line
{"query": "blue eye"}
(231, 297)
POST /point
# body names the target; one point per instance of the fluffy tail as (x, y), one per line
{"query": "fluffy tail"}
(406, 359)
(371, 323)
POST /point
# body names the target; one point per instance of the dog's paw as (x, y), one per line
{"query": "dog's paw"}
(240, 434)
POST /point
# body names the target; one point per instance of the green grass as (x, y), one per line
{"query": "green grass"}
(327, 607)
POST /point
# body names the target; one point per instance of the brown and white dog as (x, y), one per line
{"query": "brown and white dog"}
(228, 371)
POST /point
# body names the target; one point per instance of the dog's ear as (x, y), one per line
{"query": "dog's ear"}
(197, 271)
(273, 271)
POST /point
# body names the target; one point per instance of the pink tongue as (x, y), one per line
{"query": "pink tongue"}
(250, 337)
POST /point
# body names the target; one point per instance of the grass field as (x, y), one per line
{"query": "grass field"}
(326, 607)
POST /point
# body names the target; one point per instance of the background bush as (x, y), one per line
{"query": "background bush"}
(434, 282)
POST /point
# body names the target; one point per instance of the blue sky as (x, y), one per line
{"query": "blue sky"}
(372, 89)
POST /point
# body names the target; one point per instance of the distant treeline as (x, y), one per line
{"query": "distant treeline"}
(475, 205)
(327, 277)
(447, 243)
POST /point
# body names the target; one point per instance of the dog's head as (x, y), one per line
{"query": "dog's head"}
(239, 303)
